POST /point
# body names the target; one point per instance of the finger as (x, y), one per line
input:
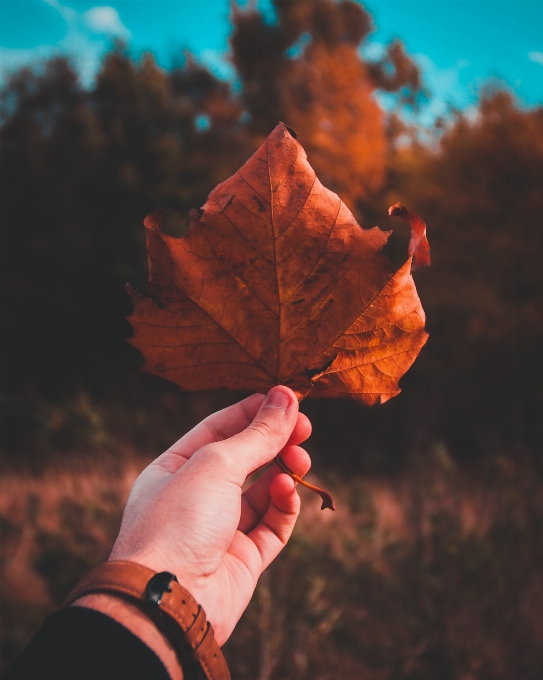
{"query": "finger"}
(214, 428)
(301, 432)
(234, 458)
(256, 499)
(275, 528)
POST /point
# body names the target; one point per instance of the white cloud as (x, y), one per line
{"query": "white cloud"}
(373, 50)
(106, 20)
(444, 83)
(536, 56)
(218, 63)
(67, 13)
(88, 36)
(446, 89)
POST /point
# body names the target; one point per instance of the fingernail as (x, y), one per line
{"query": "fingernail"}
(278, 399)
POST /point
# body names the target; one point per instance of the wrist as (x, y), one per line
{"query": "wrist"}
(181, 623)
(138, 623)
(198, 586)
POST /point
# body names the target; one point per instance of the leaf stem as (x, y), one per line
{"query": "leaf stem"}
(327, 500)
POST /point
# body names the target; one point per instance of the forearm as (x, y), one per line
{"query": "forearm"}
(138, 623)
(188, 510)
(83, 643)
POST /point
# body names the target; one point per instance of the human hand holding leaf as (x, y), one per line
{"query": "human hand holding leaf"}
(275, 283)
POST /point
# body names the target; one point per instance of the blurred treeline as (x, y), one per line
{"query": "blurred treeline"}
(80, 169)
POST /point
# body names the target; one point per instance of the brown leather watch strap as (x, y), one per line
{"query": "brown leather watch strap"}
(192, 637)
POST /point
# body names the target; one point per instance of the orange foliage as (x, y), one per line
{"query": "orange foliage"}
(307, 69)
(330, 101)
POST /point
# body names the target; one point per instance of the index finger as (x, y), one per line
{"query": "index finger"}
(218, 426)
(301, 432)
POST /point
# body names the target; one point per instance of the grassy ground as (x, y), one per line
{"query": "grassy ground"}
(437, 573)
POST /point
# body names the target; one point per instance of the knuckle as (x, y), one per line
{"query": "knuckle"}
(214, 429)
(262, 428)
(214, 453)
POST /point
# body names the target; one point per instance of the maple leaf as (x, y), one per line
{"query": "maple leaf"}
(276, 283)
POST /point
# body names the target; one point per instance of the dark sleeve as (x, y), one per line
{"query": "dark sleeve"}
(83, 644)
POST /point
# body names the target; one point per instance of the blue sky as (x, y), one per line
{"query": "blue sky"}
(459, 44)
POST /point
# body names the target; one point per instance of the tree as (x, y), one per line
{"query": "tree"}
(80, 170)
(480, 193)
(306, 69)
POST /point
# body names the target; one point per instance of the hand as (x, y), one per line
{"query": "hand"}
(187, 514)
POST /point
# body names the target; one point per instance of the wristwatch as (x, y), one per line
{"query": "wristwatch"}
(172, 608)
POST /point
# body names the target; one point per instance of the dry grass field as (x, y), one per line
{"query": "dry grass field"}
(426, 576)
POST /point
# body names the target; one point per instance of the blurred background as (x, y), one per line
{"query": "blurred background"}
(432, 567)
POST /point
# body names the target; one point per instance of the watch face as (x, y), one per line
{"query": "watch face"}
(158, 585)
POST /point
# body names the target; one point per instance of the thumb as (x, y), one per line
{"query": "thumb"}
(261, 440)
